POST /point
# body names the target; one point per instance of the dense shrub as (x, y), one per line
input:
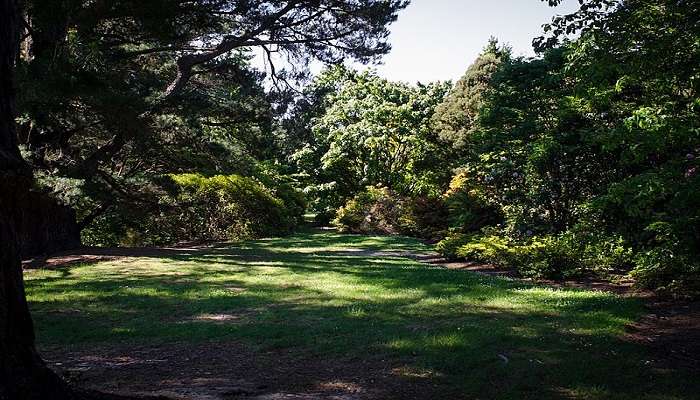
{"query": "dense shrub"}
(424, 217)
(448, 246)
(375, 210)
(667, 264)
(286, 189)
(224, 207)
(324, 217)
(469, 209)
(380, 210)
(193, 207)
(544, 256)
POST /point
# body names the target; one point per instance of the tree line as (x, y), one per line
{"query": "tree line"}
(582, 161)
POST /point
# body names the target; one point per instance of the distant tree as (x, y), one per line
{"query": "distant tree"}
(457, 117)
(375, 132)
(308, 107)
(533, 157)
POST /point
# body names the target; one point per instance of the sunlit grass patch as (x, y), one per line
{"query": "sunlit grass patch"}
(328, 294)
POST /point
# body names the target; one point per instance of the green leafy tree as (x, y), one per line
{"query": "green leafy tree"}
(595, 143)
(376, 132)
(117, 93)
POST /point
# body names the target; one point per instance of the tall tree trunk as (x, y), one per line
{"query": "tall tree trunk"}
(23, 374)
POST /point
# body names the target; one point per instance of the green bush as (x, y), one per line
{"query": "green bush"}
(293, 199)
(324, 217)
(286, 189)
(668, 271)
(448, 246)
(228, 207)
(487, 248)
(424, 217)
(543, 256)
(540, 257)
(667, 264)
(375, 210)
(380, 210)
(193, 207)
(468, 208)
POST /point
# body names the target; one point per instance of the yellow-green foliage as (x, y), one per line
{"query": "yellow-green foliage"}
(487, 248)
(449, 245)
(540, 256)
(221, 207)
(373, 210)
(468, 205)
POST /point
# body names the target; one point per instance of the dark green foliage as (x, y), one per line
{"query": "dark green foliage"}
(115, 94)
(285, 188)
(457, 117)
(425, 217)
(666, 262)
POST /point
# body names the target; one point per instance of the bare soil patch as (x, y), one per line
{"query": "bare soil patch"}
(212, 371)
(671, 330)
(89, 255)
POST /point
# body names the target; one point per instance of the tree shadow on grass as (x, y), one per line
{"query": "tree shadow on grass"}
(480, 336)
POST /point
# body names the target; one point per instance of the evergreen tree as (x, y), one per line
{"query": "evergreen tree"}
(457, 117)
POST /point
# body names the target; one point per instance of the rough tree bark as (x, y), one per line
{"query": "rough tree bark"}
(23, 374)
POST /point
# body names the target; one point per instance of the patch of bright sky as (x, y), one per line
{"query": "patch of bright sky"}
(438, 39)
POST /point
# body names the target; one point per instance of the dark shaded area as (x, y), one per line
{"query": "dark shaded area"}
(45, 226)
(672, 331)
(235, 370)
(23, 375)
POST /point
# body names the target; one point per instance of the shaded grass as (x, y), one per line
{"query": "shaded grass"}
(327, 294)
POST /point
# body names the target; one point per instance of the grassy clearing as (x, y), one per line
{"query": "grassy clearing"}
(327, 294)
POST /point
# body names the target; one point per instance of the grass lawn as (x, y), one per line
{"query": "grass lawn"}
(332, 296)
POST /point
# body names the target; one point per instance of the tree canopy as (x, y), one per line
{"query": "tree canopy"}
(373, 132)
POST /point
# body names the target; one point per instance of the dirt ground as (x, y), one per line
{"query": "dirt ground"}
(213, 371)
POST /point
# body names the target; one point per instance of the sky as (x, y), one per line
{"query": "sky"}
(438, 39)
